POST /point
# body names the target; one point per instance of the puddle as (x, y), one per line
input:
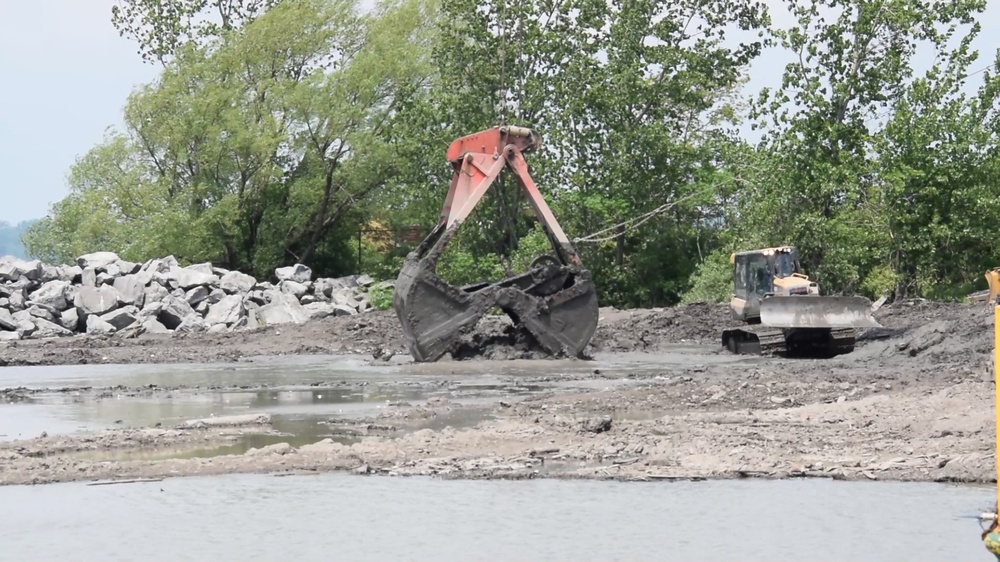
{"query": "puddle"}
(68, 399)
(297, 432)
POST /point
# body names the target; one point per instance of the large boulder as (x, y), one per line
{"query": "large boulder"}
(17, 270)
(345, 297)
(49, 273)
(7, 321)
(215, 296)
(129, 268)
(205, 268)
(283, 309)
(26, 327)
(16, 300)
(294, 288)
(31, 270)
(154, 294)
(174, 311)
(196, 295)
(188, 278)
(37, 311)
(158, 266)
(121, 318)
(52, 295)
(251, 321)
(343, 310)
(97, 325)
(70, 319)
(47, 329)
(298, 273)
(236, 282)
(193, 323)
(131, 289)
(97, 300)
(88, 276)
(153, 326)
(70, 273)
(97, 260)
(317, 310)
(9, 271)
(228, 311)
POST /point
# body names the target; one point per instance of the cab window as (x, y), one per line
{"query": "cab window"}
(759, 275)
(740, 275)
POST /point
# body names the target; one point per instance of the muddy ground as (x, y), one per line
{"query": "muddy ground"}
(913, 402)
(372, 332)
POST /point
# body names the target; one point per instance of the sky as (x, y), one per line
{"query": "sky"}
(65, 75)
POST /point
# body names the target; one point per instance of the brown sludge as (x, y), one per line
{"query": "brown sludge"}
(913, 402)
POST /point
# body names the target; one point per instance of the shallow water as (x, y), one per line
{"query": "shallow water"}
(306, 369)
(283, 387)
(343, 517)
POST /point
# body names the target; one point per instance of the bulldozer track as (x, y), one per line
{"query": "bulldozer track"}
(769, 342)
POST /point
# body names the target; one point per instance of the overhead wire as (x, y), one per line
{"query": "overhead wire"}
(634, 222)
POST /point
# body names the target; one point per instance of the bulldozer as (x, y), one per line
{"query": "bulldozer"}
(993, 281)
(555, 301)
(783, 312)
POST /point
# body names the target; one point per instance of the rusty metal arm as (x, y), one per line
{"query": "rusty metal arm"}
(471, 182)
(557, 238)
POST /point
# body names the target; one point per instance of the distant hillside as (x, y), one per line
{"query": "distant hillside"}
(10, 238)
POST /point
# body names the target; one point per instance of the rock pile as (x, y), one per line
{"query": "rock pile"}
(103, 294)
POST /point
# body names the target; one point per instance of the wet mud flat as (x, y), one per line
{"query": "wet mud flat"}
(913, 402)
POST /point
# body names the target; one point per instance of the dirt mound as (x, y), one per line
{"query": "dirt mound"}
(933, 331)
(650, 329)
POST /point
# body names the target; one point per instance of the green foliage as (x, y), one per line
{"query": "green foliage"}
(712, 281)
(162, 27)
(633, 108)
(530, 246)
(380, 297)
(881, 280)
(279, 128)
(254, 149)
(844, 191)
(460, 266)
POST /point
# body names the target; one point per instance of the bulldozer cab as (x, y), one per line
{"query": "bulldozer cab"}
(754, 272)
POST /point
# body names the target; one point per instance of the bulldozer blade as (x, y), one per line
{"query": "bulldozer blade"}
(433, 314)
(817, 312)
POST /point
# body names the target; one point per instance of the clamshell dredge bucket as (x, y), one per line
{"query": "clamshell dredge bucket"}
(555, 300)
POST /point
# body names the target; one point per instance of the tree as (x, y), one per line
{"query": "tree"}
(939, 160)
(253, 150)
(853, 62)
(161, 27)
(632, 101)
